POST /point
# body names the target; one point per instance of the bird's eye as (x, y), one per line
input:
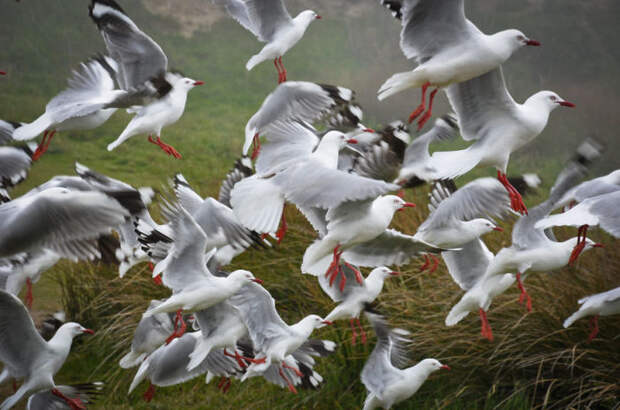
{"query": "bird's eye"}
(553, 98)
(520, 37)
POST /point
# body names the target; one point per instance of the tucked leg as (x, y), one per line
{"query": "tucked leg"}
(429, 112)
(283, 226)
(75, 404)
(29, 297)
(593, 328)
(288, 382)
(516, 200)
(255, 146)
(420, 109)
(524, 295)
(353, 332)
(150, 392)
(362, 332)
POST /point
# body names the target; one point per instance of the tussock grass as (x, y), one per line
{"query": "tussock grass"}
(533, 363)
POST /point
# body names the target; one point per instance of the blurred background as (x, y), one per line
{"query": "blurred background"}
(533, 363)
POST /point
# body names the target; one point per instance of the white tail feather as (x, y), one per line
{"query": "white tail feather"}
(131, 359)
(30, 131)
(399, 82)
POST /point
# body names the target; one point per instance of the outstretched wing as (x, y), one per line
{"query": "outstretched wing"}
(389, 248)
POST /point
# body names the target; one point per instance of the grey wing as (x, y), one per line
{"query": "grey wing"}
(62, 181)
(289, 142)
(389, 248)
(14, 166)
(317, 218)
(138, 56)
(378, 162)
(187, 197)
(445, 128)
(524, 233)
(310, 184)
(483, 197)
(211, 319)
(158, 326)
(90, 87)
(268, 16)
(607, 209)
(185, 265)
(20, 343)
(258, 311)
(87, 393)
(432, 25)
(379, 370)
(241, 170)
(482, 105)
(468, 265)
(6, 131)
(238, 11)
(58, 219)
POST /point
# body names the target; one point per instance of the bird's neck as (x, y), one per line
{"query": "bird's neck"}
(303, 328)
(61, 342)
(327, 153)
(302, 21)
(374, 283)
(500, 46)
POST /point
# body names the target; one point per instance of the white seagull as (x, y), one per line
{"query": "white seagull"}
(588, 189)
(301, 101)
(355, 296)
(387, 383)
(84, 105)
(447, 47)
(601, 304)
(488, 115)
(272, 337)
(156, 96)
(27, 356)
(271, 23)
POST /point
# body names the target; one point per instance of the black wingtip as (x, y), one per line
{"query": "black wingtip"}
(588, 151)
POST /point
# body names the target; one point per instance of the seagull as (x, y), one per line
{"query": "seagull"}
(348, 225)
(533, 249)
(27, 356)
(601, 304)
(447, 47)
(386, 382)
(85, 393)
(302, 101)
(151, 333)
(156, 96)
(194, 287)
(488, 115)
(298, 168)
(467, 267)
(271, 23)
(599, 210)
(355, 296)
(242, 169)
(58, 219)
(598, 186)
(272, 337)
(15, 163)
(82, 106)
(167, 366)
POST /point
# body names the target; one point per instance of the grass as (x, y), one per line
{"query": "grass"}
(533, 362)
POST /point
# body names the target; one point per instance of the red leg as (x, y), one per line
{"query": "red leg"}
(524, 295)
(593, 328)
(354, 333)
(75, 404)
(516, 200)
(485, 326)
(168, 149)
(178, 332)
(420, 109)
(256, 146)
(157, 279)
(150, 392)
(29, 298)
(428, 113)
(343, 280)
(296, 371)
(333, 267)
(358, 275)
(283, 69)
(435, 264)
(427, 263)
(14, 386)
(275, 63)
(581, 243)
(288, 382)
(227, 386)
(237, 357)
(41, 147)
(223, 380)
(283, 226)
(362, 332)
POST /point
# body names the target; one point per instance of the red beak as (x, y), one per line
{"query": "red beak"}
(370, 130)
(89, 331)
(318, 17)
(498, 229)
(445, 367)
(327, 322)
(408, 205)
(259, 281)
(394, 273)
(199, 83)
(567, 104)
(2, 73)
(598, 245)
(352, 141)
(532, 43)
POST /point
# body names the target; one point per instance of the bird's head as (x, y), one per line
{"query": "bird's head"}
(187, 83)
(75, 329)
(395, 203)
(516, 39)
(432, 365)
(337, 138)
(316, 321)
(483, 225)
(308, 16)
(550, 99)
(244, 276)
(383, 272)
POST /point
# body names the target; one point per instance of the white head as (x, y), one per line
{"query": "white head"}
(432, 365)
(515, 39)
(549, 99)
(383, 272)
(482, 226)
(315, 321)
(394, 202)
(73, 329)
(307, 16)
(185, 83)
(243, 276)
(336, 139)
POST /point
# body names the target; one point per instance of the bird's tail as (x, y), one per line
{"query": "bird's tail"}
(399, 82)
(258, 204)
(574, 317)
(200, 353)
(317, 256)
(457, 313)
(30, 131)
(254, 61)
(132, 359)
(128, 132)
(451, 164)
(140, 375)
